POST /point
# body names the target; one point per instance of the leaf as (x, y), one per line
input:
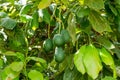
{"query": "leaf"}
(92, 61)
(42, 61)
(9, 53)
(3, 15)
(8, 74)
(16, 66)
(108, 78)
(46, 16)
(35, 22)
(20, 56)
(25, 9)
(78, 59)
(25, 18)
(108, 60)
(99, 23)
(35, 75)
(72, 74)
(44, 3)
(106, 43)
(83, 11)
(71, 27)
(81, 2)
(8, 23)
(1, 64)
(96, 5)
(113, 9)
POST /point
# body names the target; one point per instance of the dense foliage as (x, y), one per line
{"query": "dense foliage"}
(59, 39)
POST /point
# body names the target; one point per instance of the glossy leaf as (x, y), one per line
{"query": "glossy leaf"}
(44, 4)
(35, 75)
(16, 66)
(92, 61)
(96, 5)
(78, 59)
(107, 59)
(71, 27)
(99, 23)
(8, 23)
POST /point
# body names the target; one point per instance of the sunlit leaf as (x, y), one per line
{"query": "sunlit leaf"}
(16, 66)
(35, 75)
(99, 23)
(44, 3)
(78, 59)
(107, 59)
(8, 74)
(92, 61)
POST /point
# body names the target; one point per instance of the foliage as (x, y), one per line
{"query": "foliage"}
(59, 39)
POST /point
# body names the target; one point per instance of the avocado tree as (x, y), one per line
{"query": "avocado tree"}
(59, 40)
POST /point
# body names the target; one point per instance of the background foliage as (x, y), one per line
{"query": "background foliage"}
(59, 40)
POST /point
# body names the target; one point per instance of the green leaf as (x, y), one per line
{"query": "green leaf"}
(20, 56)
(9, 53)
(113, 9)
(35, 22)
(16, 66)
(78, 59)
(25, 9)
(1, 63)
(83, 11)
(106, 43)
(35, 75)
(42, 61)
(44, 4)
(8, 74)
(72, 27)
(96, 5)
(3, 15)
(46, 16)
(92, 61)
(108, 78)
(8, 23)
(72, 74)
(99, 23)
(25, 18)
(108, 60)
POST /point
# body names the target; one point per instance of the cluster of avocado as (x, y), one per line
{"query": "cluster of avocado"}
(58, 40)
